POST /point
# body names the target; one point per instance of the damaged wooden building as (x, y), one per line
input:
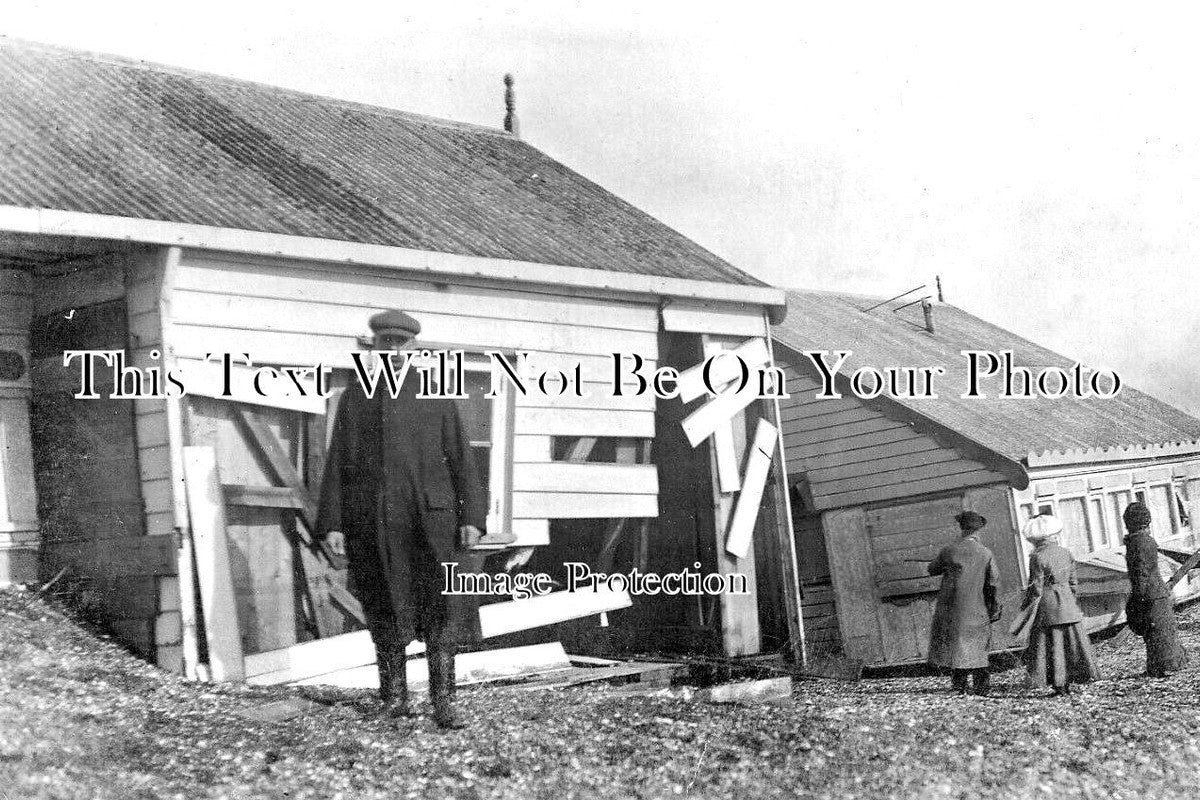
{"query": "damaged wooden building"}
(875, 483)
(171, 215)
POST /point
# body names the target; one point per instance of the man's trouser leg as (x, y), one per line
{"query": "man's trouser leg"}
(392, 662)
(958, 679)
(982, 681)
(441, 683)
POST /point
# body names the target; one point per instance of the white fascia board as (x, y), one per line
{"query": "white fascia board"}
(51, 222)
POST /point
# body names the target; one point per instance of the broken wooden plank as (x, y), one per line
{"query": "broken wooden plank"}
(745, 515)
(704, 421)
(761, 691)
(541, 661)
(655, 674)
(343, 599)
(278, 711)
(724, 370)
(1181, 573)
(276, 457)
(728, 478)
(497, 619)
(317, 657)
(237, 494)
(206, 508)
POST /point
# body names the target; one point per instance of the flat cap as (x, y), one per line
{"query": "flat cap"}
(394, 321)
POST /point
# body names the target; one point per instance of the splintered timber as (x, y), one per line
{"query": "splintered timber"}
(440, 374)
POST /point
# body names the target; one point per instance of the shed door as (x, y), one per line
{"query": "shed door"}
(269, 462)
(904, 538)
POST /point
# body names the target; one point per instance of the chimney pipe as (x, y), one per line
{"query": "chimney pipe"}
(927, 307)
(939, 285)
(511, 124)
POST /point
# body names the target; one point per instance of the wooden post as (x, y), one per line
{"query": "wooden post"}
(19, 537)
(189, 636)
(207, 509)
(740, 634)
(793, 594)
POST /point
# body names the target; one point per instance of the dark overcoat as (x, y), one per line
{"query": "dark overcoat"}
(1150, 610)
(399, 481)
(960, 636)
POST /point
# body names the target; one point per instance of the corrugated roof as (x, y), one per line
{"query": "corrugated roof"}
(99, 134)
(1014, 428)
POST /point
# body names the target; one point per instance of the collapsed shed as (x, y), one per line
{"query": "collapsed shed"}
(171, 215)
(875, 482)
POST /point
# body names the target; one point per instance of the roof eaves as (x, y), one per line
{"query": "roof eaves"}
(1011, 468)
(53, 222)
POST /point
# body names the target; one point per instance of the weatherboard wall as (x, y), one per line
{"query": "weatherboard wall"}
(292, 313)
(849, 453)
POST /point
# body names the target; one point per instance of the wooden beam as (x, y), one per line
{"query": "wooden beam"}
(262, 496)
(740, 632)
(347, 602)
(724, 370)
(727, 461)
(277, 459)
(317, 657)
(745, 514)
(207, 511)
(498, 619)
(1184, 569)
(582, 448)
(793, 594)
(722, 409)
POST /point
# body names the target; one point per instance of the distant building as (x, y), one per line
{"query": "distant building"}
(876, 482)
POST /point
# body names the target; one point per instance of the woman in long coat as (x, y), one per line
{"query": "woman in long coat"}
(1059, 651)
(961, 632)
(1149, 611)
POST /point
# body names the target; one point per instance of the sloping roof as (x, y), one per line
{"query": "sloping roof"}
(1019, 429)
(98, 134)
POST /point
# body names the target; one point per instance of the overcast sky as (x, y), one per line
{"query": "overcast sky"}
(1044, 159)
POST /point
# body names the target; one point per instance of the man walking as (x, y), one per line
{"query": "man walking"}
(960, 635)
(401, 496)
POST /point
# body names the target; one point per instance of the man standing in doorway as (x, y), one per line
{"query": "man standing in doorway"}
(401, 496)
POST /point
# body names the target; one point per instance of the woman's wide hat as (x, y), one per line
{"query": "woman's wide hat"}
(1042, 527)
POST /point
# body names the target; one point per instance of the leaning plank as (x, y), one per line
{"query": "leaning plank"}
(521, 615)
(318, 657)
(207, 511)
(746, 513)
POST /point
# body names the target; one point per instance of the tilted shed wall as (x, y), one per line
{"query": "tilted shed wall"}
(878, 496)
